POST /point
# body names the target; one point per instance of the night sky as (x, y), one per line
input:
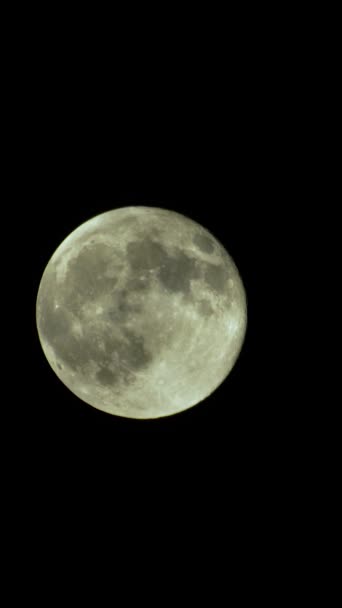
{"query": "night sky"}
(223, 170)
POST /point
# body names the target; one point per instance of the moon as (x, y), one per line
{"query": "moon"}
(141, 312)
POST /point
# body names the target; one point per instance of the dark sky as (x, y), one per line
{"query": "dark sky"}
(218, 160)
(216, 122)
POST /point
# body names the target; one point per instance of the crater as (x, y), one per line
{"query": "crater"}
(203, 242)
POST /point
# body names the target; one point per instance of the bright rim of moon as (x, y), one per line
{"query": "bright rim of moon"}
(141, 312)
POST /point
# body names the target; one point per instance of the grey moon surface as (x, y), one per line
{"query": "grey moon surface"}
(141, 312)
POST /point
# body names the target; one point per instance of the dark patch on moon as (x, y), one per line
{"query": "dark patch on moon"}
(173, 271)
(123, 308)
(203, 242)
(128, 356)
(118, 357)
(70, 349)
(126, 308)
(54, 321)
(155, 233)
(86, 276)
(175, 275)
(138, 284)
(205, 308)
(127, 222)
(134, 352)
(145, 254)
(105, 377)
(216, 276)
(55, 325)
(115, 315)
(113, 281)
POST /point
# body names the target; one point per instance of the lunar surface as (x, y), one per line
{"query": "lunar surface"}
(141, 312)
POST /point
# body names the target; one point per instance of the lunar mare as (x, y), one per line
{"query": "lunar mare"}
(141, 312)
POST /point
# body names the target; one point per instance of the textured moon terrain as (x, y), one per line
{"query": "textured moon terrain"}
(141, 312)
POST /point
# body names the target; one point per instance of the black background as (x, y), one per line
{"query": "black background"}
(232, 450)
(220, 167)
(214, 141)
(214, 117)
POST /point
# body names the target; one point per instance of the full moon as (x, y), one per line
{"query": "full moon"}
(141, 312)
